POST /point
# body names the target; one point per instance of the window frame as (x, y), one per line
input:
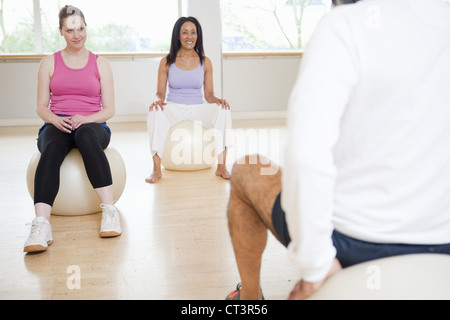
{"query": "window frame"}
(37, 27)
(5, 57)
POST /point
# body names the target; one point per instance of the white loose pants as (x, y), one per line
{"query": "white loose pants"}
(209, 115)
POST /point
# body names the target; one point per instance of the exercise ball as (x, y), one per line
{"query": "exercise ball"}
(405, 277)
(76, 195)
(189, 146)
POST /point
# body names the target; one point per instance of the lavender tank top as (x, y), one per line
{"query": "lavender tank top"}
(185, 86)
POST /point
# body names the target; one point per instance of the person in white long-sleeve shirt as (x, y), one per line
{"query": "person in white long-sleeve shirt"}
(366, 172)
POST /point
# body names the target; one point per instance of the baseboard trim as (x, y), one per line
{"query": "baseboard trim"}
(257, 115)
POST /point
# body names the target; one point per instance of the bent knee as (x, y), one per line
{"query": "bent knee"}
(253, 162)
(55, 147)
(85, 135)
(252, 167)
(244, 164)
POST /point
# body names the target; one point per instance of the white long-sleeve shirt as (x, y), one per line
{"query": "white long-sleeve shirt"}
(369, 130)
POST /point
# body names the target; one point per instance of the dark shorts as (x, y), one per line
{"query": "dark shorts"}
(350, 251)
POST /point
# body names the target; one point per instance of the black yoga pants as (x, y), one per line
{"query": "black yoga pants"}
(90, 139)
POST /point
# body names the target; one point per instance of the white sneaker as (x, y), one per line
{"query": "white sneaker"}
(110, 226)
(40, 236)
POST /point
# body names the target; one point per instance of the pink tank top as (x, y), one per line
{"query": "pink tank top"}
(75, 91)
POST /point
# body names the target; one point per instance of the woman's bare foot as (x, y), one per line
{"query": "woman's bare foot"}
(154, 177)
(156, 174)
(222, 172)
(221, 167)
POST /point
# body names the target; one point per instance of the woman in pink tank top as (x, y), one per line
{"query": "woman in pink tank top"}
(75, 99)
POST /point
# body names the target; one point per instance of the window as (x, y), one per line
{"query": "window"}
(138, 26)
(142, 26)
(269, 25)
(17, 26)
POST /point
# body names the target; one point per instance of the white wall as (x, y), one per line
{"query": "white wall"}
(134, 79)
(255, 87)
(260, 86)
(207, 12)
(18, 82)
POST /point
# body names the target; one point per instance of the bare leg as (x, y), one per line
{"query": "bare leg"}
(221, 166)
(105, 194)
(43, 210)
(252, 197)
(156, 174)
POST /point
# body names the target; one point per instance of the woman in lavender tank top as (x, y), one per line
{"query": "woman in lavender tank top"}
(185, 71)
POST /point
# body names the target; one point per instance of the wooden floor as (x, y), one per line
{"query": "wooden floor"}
(175, 242)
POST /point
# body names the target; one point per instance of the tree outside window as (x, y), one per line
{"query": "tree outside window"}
(269, 25)
(146, 25)
(113, 27)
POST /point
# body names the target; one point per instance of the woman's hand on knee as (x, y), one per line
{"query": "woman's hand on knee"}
(78, 121)
(156, 105)
(63, 123)
(223, 103)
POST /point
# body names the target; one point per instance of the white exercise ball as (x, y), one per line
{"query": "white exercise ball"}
(76, 196)
(405, 277)
(189, 146)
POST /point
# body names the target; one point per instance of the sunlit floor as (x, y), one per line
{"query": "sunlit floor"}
(175, 242)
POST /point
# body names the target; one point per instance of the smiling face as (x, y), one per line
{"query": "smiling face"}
(188, 35)
(74, 31)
